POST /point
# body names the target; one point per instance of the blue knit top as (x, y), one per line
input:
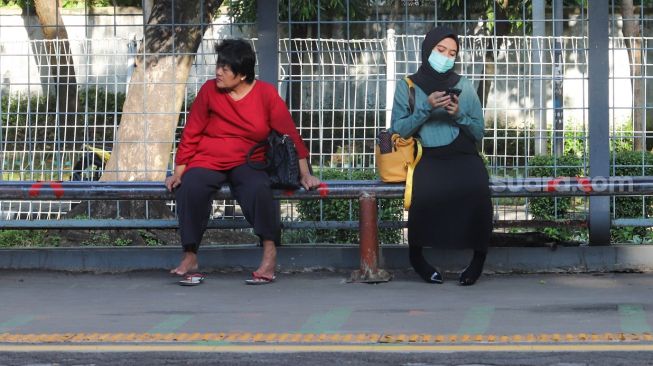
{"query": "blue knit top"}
(436, 127)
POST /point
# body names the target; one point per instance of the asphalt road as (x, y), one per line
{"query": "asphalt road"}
(330, 359)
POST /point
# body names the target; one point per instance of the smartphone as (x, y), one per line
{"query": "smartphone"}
(452, 91)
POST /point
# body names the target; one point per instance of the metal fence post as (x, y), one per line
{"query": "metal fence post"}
(267, 15)
(369, 243)
(558, 76)
(598, 105)
(537, 42)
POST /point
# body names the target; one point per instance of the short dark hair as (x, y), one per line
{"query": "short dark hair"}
(238, 55)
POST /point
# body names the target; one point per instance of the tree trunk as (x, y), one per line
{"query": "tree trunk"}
(146, 132)
(634, 45)
(57, 48)
(150, 116)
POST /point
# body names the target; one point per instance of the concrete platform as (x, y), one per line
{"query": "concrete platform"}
(321, 307)
(620, 258)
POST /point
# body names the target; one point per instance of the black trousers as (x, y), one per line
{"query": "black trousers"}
(250, 187)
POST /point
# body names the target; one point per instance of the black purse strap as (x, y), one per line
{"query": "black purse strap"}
(257, 166)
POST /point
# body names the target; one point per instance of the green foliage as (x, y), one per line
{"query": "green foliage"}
(149, 238)
(22, 238)
(623, 163)
(98, 239)
(551, 166)
(244, 11)
(122, 242)
(512, 15)
(102, 106)
(99, 3)
(574, 143)
(29, 123)
(68, 4)
(103, 110)
(506, 17)
(26, 125)
(567, 235)
(622, 140)
(514, 145)
(347, 210)
(18, 109)
(12, 3)
(631, 163)
(631, 235)
(509, 144)
(544, 208)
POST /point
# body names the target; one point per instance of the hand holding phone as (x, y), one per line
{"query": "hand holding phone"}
(452, 107)
(452, 91)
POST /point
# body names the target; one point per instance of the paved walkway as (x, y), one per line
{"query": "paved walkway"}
(321, 309)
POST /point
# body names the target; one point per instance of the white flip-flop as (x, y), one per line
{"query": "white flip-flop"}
(192, 279)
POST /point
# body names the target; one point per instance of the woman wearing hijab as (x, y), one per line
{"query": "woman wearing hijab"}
(451, 205)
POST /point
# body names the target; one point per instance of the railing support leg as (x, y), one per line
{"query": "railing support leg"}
(369, 243)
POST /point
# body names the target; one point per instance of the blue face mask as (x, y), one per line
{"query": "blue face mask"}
(440, 63)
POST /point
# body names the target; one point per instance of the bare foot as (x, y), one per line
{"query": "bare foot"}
(188, 263)
(269, 260)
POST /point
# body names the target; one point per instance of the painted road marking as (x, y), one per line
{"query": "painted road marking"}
(18, 321)
(328, 338)
(477, 320)
(170, 324)
(381, 348)
(633, 319)
(328, 322)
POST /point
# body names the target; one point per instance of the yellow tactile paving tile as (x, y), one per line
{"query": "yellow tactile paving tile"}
(327, 338)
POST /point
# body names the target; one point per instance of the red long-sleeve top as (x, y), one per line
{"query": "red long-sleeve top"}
(220, 131)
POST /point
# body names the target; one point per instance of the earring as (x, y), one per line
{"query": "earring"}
(242, 79)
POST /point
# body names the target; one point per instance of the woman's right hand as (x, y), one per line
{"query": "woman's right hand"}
(439, 99)
(174, 180)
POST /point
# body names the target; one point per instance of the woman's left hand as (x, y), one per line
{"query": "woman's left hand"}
(306, 179)
(309, 181)
(452, 107)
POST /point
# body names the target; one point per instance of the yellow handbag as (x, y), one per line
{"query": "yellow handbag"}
(398, 165)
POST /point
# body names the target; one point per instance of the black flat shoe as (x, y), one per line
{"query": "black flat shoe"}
(436, 277)
(467, 281)
(472, 273)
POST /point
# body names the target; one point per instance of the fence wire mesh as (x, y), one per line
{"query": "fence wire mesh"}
(60, 122)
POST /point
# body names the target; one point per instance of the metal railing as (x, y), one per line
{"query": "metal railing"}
(337, 189)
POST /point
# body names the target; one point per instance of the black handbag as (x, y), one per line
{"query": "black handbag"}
(281, 161)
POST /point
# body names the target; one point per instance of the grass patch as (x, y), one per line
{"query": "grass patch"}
(27, 238)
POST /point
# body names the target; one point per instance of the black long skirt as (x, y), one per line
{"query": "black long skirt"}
(451, 205)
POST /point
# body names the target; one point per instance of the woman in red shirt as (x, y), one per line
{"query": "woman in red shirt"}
(231, 114)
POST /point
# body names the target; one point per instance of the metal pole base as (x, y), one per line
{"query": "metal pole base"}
(369, 276)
